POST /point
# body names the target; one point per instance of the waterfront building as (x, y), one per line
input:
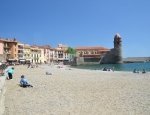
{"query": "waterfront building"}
(90, 55)
(61, 53)
(42, 57)
(35, 54)
(9, 49)
(2, 55)
(46, 52)
(21, 58)
(55, 55)
(52, 55)
(95, 52)
(27, 53)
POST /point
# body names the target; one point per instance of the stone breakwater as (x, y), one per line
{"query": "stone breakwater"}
(2, 94)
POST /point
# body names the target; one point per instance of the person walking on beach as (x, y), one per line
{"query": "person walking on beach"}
(24, 82)
(10, 73)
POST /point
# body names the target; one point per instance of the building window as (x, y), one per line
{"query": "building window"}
(92, 52)
(85, 52)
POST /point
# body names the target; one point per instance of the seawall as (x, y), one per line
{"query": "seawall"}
(2, 94)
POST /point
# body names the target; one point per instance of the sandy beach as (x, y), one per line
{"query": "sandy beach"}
(77, 92)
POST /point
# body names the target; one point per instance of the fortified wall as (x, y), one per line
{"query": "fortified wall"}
(114, 56)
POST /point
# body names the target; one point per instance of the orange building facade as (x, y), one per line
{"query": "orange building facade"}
(9, 49)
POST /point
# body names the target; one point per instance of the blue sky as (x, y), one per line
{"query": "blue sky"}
(78, 23)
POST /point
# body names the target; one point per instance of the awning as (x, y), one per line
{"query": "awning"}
(28, 59)
(12, 60)
(23, 60)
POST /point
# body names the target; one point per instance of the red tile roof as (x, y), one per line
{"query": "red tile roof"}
(45, 46)
(8, 40)
(92, 48)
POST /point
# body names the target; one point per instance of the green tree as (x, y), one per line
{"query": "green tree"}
(71, 50)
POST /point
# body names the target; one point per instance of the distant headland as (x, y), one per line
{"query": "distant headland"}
(136, 59)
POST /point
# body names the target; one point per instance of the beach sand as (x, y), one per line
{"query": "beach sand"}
(77, 92)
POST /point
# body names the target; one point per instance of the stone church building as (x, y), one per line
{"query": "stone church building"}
(100, 55)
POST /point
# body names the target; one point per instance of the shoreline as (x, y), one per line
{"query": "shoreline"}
(125, 67)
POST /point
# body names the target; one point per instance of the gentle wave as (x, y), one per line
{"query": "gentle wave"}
(118, 67)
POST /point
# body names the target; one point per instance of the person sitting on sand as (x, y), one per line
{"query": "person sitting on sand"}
(104, 69)
(135, 71)
(24, 82)
(143, 71)
(48, 73)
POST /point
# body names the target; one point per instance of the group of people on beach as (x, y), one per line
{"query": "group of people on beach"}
(137, 71)
(23, 81)
(108, 69)
(31, 65)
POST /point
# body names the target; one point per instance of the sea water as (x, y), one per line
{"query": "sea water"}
(118, 67)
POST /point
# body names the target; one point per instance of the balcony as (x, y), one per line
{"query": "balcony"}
(20, 52)
(20, 55)
(20, 47)
(7, 52)
(6, 47)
